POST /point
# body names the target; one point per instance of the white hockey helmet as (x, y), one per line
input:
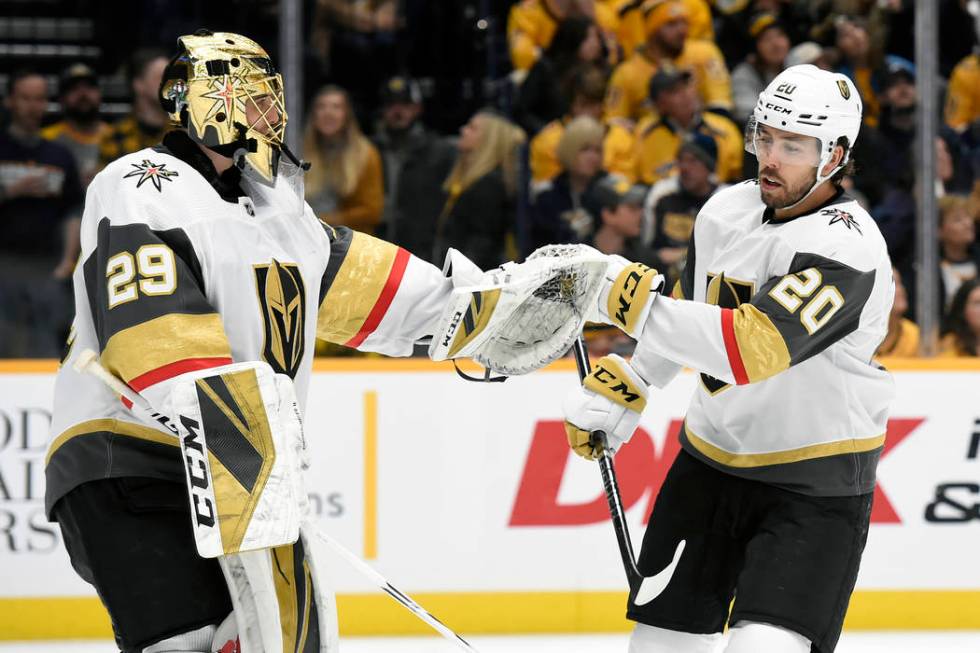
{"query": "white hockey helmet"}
(806, 100)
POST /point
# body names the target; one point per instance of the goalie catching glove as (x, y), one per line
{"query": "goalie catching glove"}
(611, 399)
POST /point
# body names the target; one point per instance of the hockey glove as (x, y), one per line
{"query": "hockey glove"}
(628, 295)
(610, 399)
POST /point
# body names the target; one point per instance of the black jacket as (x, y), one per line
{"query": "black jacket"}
(477, 223)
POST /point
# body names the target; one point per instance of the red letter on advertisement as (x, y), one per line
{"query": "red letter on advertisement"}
(639, 469)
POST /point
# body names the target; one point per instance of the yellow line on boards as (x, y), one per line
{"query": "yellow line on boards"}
(371, 475)
(502, 613)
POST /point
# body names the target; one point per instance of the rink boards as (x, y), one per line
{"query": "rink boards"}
(465, 496)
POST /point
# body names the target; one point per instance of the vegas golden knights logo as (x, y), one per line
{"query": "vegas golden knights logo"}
(845, 90)
(283, 301)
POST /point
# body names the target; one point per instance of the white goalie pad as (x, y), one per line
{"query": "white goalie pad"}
(282, 601)
(521, 316)
(241, 440)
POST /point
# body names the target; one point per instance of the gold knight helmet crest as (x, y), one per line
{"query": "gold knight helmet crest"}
(845, 90)
(283, 300)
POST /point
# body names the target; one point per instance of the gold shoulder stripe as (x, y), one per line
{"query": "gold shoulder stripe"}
(114, 426)
(729, 459)
(763, 350)
(356, 288)
(164, 340)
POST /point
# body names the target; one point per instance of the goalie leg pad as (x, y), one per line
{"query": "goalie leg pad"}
(282, 601)
(241, 438)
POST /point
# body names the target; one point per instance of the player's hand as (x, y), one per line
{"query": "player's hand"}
(627, 296)
(610, 399)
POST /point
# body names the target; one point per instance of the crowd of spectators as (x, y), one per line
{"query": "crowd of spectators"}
(620, 118)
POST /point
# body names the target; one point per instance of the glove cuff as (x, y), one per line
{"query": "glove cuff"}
(627, 301)
(615, 379)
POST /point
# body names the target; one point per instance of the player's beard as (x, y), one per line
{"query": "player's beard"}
(784, 195)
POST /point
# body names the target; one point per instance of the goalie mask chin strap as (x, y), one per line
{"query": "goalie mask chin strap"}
(487, 378)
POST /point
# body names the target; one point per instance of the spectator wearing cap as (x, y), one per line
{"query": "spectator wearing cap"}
(146, 123)
(811, 53)
(761, 66)
(531, 26)
(667, 43)
(963, 94)
(561, 212)
(40, 208)
(864, 61)
(80, 128)
(545, 94)
(415, 162)
(631, 31)
(344, 185)
(620, 208)
(673, 203)
(658, 139)
(588, 89)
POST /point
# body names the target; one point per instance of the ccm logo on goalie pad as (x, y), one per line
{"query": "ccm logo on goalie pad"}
(195, 458)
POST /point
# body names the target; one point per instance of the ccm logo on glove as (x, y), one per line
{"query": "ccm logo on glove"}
(629, 296)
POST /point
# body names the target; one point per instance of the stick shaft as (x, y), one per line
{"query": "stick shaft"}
(609, 482)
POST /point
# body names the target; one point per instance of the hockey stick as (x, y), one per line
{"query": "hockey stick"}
(88, 362)
(643, 588)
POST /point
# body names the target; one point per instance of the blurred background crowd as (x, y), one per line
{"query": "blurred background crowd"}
(495, 126)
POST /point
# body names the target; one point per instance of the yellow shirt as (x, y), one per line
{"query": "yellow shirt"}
(963, 93)
(629, 88)
(617, 151)
(950, 348)
(632, 32)
(657, 143)
(907, 343)
(531, 25)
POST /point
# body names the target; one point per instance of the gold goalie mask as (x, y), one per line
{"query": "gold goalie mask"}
(224, 90)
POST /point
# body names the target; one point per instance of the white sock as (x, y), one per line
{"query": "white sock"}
(649, 639)
(752, 637)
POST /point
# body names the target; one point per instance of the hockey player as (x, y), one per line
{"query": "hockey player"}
(783, 302)
(203, 281)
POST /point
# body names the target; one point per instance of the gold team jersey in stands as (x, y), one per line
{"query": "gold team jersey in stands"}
(182, 271)
(629, 88)
(127, 135)
(631, 31)
(617, 151)
(657, 142)
(531, 25)
(963, 93)
(785, 318)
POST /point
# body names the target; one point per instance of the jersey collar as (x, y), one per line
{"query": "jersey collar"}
(178, 144)
(840, 197)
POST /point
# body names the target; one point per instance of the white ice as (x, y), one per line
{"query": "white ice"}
(858, 642)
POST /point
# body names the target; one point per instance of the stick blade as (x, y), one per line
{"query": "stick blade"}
(653, 586)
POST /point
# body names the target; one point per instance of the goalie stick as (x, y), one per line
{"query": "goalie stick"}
(88, 362)
(643, 589)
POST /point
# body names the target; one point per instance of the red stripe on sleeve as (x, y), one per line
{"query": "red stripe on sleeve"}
(384, 299)
(177, 368)
(731, 346)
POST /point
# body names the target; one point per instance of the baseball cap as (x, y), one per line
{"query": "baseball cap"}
(761, 22)
(401, 90)
(701, 145)
(75, 74)
(613, 190)
(806, 52)
(666, 78)
(897, 68)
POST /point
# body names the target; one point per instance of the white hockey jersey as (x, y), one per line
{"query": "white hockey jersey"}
(182, 269)
(786, 318)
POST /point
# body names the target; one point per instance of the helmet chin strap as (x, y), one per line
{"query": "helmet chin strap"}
(819, 180)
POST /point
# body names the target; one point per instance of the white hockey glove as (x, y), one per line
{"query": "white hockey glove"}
(611, 399)
(628, 293)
